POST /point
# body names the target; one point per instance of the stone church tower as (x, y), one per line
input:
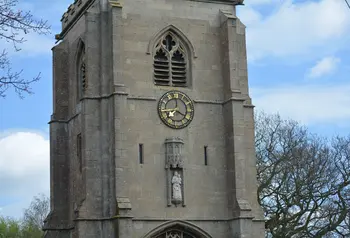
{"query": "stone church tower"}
(152, 131)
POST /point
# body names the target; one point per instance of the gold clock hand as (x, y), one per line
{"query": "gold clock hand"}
(169, 110)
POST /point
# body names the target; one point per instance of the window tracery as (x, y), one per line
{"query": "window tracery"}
(175, 234)
(170, 62)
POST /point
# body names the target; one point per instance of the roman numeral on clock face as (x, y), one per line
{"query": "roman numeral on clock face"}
(176, 109)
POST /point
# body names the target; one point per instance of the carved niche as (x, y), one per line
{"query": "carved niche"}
(174, 164)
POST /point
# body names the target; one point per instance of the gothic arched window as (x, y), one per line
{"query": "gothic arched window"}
(170, 61)
(175, 233)
(81, 71)
(177, 229)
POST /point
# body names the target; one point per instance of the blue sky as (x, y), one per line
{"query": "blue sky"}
(297, 58)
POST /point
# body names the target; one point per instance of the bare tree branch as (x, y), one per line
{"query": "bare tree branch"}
(304, 180)
(347, 3)
(37, 211)
(14, 25)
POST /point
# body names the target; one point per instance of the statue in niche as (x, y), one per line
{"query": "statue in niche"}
(176, 182)
(174, 165)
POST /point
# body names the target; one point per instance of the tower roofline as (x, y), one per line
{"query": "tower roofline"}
(78, 7)
(72, 15)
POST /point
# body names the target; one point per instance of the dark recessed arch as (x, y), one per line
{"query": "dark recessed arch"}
(173, 54)
(188, 229)
(80, 68)
(178, 32)
(80, 48)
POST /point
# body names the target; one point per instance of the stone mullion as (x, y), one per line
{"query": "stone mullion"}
(170, 68)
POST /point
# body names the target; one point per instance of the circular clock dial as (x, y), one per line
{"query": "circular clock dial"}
(176, 109)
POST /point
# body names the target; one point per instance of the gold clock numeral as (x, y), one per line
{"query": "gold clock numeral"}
(168, 112)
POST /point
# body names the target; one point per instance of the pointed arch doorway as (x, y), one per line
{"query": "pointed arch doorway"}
(177, 229)
(175, 232)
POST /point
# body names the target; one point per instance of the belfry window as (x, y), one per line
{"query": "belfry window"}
(81, 72)
(170, 62)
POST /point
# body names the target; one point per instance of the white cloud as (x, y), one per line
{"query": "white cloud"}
(325, 66)
(24, 170)
(257, 2)
(250, 17)
(297, 29)
(309, 104)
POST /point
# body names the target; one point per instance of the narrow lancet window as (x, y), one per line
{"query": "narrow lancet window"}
(205, 155)
(141, 154)
(81, 72)
(79, 152)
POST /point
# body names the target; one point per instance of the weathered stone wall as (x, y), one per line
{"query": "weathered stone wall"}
(118, 111)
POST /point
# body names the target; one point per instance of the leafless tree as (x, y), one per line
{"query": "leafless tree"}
(35, 215)
(304, 180)
(14, 25)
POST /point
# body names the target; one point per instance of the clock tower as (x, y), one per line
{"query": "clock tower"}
(152, 131)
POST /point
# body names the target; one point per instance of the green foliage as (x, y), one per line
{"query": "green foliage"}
(32, 231)
(11, 228)
(31, 224)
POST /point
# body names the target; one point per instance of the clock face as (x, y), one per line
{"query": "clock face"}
(176, 109)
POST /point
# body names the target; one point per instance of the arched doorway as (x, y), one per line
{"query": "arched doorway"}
(175, 232)
(177, 229)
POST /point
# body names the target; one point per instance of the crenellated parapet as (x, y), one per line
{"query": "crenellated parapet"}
(73, 12)
(78, 7)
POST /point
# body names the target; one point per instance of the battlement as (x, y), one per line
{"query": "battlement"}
(76, 9)
(73, 12)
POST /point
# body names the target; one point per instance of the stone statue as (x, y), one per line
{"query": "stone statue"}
(176, 182)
